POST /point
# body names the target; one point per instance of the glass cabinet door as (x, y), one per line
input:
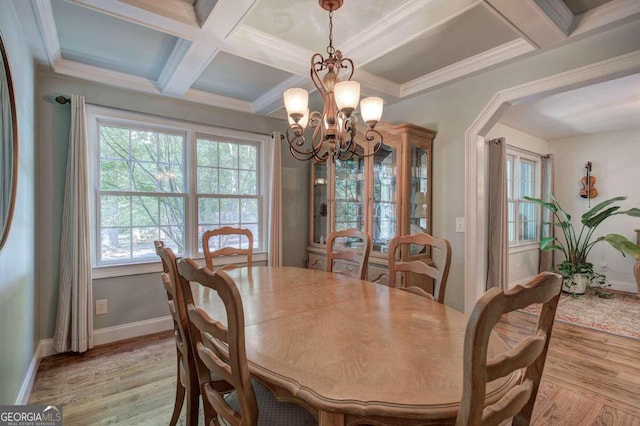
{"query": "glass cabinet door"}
(350, 194)
(385, 197)
(420, 210)
(320, 201)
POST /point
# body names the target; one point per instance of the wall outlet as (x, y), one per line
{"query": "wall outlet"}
(101, 307)
(460, 225)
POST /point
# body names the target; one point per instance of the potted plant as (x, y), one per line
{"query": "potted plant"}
(578, 272)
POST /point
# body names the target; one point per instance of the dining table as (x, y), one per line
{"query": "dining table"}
(352, 351)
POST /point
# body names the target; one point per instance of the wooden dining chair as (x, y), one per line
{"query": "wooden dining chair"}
(220, 352)
(529, 354)
(187, 379)
(419, 266)
(356, 249)
(223, 234)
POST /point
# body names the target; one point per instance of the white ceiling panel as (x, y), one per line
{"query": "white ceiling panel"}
(466, 35)
(305, 23)
(238, 78)
(100, 40)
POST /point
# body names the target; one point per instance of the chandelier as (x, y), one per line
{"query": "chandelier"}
(333, 132)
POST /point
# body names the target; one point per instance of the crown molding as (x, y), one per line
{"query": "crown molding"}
(467, 66)
(206, 98)
(600, 17)
(271, 101)
(257, 46)
(104, 76)
(43, 13)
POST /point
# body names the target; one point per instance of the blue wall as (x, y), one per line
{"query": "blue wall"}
(17, 296)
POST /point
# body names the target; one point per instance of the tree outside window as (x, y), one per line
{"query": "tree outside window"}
(523, 171)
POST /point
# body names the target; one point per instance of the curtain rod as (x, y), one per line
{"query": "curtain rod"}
(63, 100)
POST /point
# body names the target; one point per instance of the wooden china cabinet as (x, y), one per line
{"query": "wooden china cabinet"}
(385, 195)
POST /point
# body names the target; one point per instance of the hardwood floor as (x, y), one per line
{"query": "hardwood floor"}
(590, 378)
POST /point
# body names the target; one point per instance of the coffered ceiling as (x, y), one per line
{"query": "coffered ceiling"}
(242, 54)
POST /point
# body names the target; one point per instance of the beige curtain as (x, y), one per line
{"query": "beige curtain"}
(546, 260)
(275, 206)
(498, 248)
(74, 319)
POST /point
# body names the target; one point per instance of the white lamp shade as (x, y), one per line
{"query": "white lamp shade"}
(303, 121)
(371, 109)
(347, 95)
(296, 101)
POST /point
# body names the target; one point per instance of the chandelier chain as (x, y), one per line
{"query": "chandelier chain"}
(330, 49)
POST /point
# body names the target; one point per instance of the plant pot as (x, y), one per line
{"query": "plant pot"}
(576, 284)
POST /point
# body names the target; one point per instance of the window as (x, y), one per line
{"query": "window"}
(156, 178)
(523, 171)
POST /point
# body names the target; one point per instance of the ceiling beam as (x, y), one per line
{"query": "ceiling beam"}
(528, 19)
(401, 25)
(180, 75)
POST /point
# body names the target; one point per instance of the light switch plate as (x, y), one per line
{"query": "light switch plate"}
(460, 224)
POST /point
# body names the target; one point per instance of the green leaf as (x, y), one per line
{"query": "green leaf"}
(635, 212)
(623, 245)
(550, 206)
(595, 209)
(593, 221)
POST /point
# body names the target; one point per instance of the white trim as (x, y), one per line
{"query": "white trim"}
(48, 31)
(476, 63)
(106, 335)
(598, 19)
(212, 99)
(106, 271)
(558, 12)
(30, 377)
(132, 329)
(475, 200)
(520, 248)
(627, 286)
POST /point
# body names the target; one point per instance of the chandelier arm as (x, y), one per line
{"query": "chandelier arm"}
(297, 140)
(318, 64)
(372, 135)
(351, 66)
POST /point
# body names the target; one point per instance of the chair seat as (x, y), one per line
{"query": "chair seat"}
(272, 412)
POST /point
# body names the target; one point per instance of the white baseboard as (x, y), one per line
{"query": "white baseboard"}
(105, 335)
(133, 329)
(624, 286)
(30, 378)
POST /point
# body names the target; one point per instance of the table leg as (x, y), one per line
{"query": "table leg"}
(636, 272)
(326, 418)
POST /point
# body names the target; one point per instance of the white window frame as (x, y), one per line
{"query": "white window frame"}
(99, 114)
(518, 155)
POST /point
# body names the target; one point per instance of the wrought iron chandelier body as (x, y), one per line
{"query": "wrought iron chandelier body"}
(333, 132)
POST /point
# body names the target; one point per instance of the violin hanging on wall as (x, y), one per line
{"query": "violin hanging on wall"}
(588, 181)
